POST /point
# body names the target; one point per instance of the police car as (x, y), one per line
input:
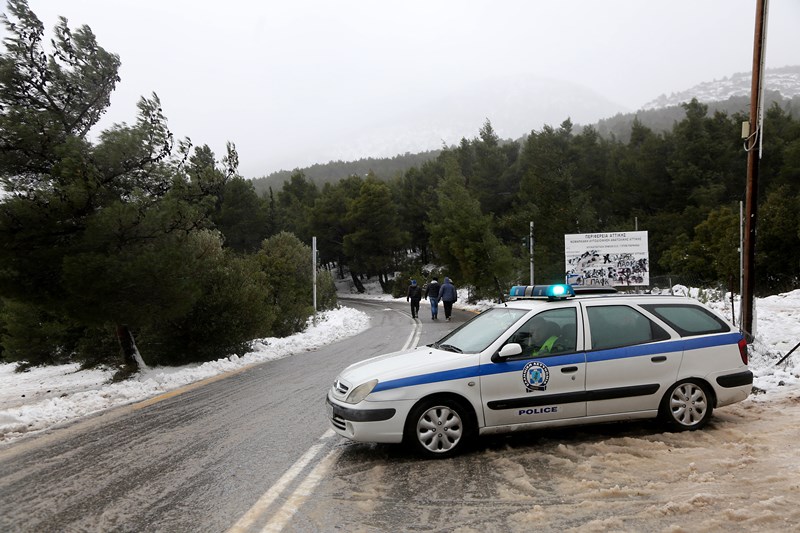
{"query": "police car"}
(547, 357)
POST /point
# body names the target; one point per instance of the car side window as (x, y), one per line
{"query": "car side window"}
(688, 319)
(552, 332)
(614, 326)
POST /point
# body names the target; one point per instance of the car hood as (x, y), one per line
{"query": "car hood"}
(407, 363)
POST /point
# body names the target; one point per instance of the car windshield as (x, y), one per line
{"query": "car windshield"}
(477, 334)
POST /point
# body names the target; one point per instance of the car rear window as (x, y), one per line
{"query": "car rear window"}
(615, 326)
(688, 319)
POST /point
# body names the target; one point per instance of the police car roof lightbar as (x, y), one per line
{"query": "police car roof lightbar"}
(548, 292)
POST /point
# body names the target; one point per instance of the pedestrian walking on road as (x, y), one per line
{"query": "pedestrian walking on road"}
(414, 295)
(432, 294)
(448, 295)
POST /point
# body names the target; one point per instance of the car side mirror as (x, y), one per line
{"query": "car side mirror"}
(509, 350)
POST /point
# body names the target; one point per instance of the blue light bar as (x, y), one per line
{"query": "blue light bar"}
(550, 292)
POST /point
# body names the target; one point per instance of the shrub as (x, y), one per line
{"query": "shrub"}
(326, 291)
(286, 263)
(234, 309)
(34, 337)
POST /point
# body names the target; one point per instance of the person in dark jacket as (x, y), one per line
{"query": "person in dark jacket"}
(414, 295)
(432, 294)
(448, 296)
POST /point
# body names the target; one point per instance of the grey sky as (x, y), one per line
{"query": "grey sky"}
(298, 82)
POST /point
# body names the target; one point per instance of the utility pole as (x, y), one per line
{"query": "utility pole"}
(314, 269)
(753, 144)
(741, 262)
(530, 240)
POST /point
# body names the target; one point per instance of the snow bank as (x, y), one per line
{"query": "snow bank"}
(43, 397)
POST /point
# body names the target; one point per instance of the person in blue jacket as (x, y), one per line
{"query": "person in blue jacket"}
(432, 294)
(448, 296)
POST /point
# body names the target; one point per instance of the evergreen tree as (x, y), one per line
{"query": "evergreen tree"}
(548, 197)
(415, 198)
(463, 238)
(294, 203)
(375, 236)
(95, 235)
(328, 220)
(778, 241)
(712, 254)
(243, 217)
(286, 264)
(485, 164)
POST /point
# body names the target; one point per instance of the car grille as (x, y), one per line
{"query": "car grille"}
(338, 421)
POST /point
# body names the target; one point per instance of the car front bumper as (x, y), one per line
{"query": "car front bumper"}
(383, 423)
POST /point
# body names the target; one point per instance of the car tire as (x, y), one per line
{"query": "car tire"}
(687, 406)
(439, 427)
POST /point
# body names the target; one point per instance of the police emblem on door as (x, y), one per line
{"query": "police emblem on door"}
(535, 376)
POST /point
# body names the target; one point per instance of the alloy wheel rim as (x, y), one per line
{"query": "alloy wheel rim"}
(439, 429)
(688, 404)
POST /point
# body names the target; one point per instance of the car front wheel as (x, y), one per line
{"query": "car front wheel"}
(687, 406)
(439, 427)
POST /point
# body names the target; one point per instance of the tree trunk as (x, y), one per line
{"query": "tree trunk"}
(131, 359)
(382, 279)
(357, 282)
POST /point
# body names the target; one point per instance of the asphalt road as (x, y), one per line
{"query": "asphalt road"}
(201, 460)
(253, 452)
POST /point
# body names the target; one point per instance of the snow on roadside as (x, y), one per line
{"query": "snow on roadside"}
(45, 396)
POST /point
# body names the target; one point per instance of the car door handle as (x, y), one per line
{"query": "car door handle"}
(659, 358)
(569, 369)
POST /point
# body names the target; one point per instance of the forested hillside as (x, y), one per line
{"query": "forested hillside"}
(662, 120)
(617, 127)
(468, 210)
(333, 171)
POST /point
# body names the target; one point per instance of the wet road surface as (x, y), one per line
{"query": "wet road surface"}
(197, 461)
(253, 452)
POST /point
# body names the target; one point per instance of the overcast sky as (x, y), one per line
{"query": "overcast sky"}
(298, 82)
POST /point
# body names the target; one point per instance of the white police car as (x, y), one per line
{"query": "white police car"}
(547, 358)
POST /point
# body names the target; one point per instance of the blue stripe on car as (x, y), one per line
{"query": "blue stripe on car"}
(562, 360)
(663, 347)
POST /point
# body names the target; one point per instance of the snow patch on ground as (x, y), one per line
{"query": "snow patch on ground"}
(43, 397)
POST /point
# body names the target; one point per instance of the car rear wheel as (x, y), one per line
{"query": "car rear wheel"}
(687, 406)
(439, 427)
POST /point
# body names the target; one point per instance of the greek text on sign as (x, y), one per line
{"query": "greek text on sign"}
(607, 259)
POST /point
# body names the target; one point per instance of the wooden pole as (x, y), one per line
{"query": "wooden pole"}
(752, 145)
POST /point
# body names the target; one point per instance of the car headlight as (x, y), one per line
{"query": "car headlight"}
(361, 392)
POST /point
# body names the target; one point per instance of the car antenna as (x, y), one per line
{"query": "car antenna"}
(500, 290)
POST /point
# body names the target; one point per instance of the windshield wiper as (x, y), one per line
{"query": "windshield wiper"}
(450, 348)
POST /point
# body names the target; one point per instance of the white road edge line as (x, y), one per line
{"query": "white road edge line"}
(306, 488)
(275, 490)
(299, 496)
(413, 338)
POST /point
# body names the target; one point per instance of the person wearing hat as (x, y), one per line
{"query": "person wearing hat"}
(448, 295)
(414, 295)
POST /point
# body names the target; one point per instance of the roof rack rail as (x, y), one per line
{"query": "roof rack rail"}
(593, 290)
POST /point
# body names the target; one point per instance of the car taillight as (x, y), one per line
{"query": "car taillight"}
(743, 350)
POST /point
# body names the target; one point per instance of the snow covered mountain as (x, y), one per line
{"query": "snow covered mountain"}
(785, 80)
